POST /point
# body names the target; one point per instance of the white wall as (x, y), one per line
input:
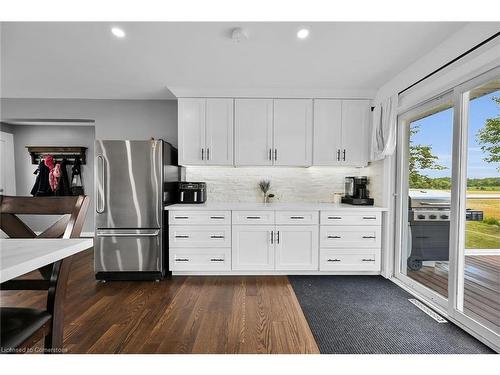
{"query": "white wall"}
(460, 42)
(52, 136)
(314, 184)
(114, 119)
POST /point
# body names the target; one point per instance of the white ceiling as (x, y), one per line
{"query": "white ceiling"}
(84, 60)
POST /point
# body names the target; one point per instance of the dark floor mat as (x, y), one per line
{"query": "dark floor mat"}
(370, 314)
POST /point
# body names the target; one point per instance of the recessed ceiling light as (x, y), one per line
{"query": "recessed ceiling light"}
(119, 33)
(302, 33)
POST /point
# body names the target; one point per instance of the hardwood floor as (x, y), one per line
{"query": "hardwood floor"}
(481, 286)
(179, 315)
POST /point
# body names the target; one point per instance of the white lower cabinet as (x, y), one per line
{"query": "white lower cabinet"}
(269, 241)
(253, 247)
(349, 260)
(200, 259)
(296, 247)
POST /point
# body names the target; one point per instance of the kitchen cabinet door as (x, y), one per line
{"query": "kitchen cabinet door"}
(292, 132)
(327, 143)
(191, 129)
(355, 132)
(252, 248)
(219, 132)
(297, 247)
(253, 128)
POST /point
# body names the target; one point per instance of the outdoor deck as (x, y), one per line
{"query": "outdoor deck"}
(481, 288)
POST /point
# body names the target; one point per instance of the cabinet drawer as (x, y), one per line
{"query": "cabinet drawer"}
(350, 236)
(200, 259)
(350, 218)
(199, 236)
(199, 217)
(297, 217)
(347, 260)
(253, 217)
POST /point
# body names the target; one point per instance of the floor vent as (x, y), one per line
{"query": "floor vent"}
(438, 318)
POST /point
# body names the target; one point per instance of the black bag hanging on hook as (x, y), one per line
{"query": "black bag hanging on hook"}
(76, 178)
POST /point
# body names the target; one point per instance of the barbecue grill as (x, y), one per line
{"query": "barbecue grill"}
(429, 226)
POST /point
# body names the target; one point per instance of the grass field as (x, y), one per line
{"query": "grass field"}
(482, 236)
(486, 189)
(490, 207)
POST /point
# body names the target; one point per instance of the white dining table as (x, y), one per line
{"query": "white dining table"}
(20, 256)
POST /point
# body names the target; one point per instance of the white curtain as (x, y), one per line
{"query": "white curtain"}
(383, 141)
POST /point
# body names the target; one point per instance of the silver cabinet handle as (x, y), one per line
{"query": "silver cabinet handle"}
(333, 260)
(202, 153)
(275, 154)
(334, 237)
(217, 217)
(182, 259)
(278, 237)
(103, 195)
(217, 259)
(272, 237)
(368, 260)
(368, 236)
(369, 218)
(338, 154)
(343, 155)
(182, 236)
(334, 217)
(208, 153)
(296, 217)
(128, 234)
(270, 154)
(253, 217)
(181, 217)
(216, 236)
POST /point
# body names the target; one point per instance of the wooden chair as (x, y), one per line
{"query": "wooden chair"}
(21, 328)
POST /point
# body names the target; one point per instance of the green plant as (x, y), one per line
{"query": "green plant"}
(489, 139)
(491, 221)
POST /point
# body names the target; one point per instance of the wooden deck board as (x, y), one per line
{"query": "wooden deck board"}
(181, 315)
(481, 286)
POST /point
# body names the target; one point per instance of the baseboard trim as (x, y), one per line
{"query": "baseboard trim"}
(482, 252)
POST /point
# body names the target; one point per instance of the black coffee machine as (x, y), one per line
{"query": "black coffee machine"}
(356, 192)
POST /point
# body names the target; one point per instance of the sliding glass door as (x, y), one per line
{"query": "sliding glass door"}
(478, 258)
(448, 203)
(426, 138)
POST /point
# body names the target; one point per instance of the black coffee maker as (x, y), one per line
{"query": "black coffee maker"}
(355, 191)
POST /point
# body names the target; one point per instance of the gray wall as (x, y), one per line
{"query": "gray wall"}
(114, 119)
(43, 135)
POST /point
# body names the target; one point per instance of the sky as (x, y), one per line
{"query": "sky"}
(436, 130)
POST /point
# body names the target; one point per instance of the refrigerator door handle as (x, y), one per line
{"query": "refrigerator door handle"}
(100, 194)
(128, 234)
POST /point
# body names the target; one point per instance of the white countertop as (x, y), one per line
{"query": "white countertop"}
(244, 206)
(20, 256)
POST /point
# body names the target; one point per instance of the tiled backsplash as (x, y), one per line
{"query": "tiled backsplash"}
(314, 184)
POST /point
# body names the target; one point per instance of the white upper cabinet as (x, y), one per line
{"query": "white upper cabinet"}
(219, 132)
(253, 132)
(341, 132)
(292, 132)
(267, 132)
(355, 127)
(205, 131)
(191, 114)
(327, 132)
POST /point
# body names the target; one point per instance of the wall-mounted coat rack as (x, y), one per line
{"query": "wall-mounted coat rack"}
(58, 153)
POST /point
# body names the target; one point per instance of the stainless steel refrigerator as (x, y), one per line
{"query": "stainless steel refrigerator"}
(134, 180)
